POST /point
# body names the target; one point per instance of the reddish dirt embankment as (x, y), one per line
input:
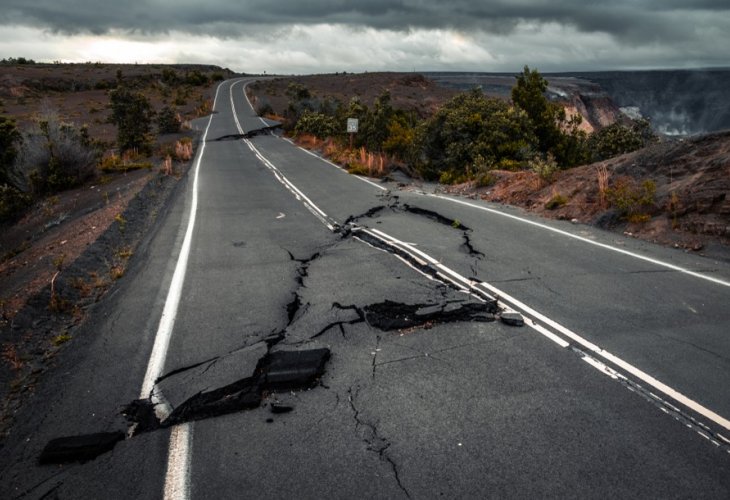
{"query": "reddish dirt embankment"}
(690, 208)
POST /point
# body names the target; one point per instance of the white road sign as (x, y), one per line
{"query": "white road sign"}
(352, 124)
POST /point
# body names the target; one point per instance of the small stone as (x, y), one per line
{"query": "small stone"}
(279, 408)
(512, 318)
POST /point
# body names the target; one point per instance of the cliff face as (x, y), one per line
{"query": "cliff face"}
(677, 102)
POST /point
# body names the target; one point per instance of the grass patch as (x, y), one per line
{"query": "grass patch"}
(557, 201)
(114, 163)
(60, 339)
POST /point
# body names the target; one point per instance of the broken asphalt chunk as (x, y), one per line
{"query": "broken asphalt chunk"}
(512, 318)
(79, 448)
(244, 394)
(141, 414)
(293, 369)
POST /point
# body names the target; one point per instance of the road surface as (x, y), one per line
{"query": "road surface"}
(290, 330)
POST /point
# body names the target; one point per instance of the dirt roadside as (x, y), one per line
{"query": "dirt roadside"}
(687, 206)
(70, 255)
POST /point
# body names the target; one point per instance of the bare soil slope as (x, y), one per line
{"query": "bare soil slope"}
(691, 206)
(70, 248)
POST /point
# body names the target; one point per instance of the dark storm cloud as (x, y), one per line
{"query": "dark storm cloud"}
(631, 21)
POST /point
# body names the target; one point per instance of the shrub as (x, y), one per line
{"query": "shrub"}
(545, 168)
(485, 179)
(401, 138)
(55, 155)
(196, 78)
(264, 109)
(317, 124)
(13, 203)
(617, 139)
(557, 201)
(168, 121)
(631, 199)
(114, 163)
(297, 92)
(452, 177)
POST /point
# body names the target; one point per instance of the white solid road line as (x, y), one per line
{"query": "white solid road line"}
(177, 477)
(586, 240)
(169, 312)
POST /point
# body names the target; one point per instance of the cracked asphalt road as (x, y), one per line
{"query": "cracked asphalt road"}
(411, 388)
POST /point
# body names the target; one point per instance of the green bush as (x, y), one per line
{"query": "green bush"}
(617, 139)
(297, 92)
(132, 114)
(168, 121)
(13, 203)
(632, 199)
(545, 168)
(453, 177)
(196, 78)
(317, 124)
(472, 132)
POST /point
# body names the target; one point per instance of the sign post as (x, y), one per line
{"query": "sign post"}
(352, 126)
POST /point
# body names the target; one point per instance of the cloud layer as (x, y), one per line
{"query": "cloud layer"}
(335, 35)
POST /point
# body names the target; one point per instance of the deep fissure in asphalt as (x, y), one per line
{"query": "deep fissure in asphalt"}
(299, 369)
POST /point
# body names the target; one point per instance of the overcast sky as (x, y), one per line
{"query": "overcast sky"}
(322, 36)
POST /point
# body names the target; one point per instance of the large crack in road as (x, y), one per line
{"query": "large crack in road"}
(264, 368)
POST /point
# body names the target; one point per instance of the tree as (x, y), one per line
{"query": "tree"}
(13, 202)
(168, 121)
(556, 134)
(132, 114)
(374, 127)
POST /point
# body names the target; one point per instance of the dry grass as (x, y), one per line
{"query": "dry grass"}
(117, 271)
(10, 355)
(184, 149)
(602, 175)
(166, 167)
(356, 161)
(370, 164)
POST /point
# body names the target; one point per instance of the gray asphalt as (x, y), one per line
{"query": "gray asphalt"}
(464, 409)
